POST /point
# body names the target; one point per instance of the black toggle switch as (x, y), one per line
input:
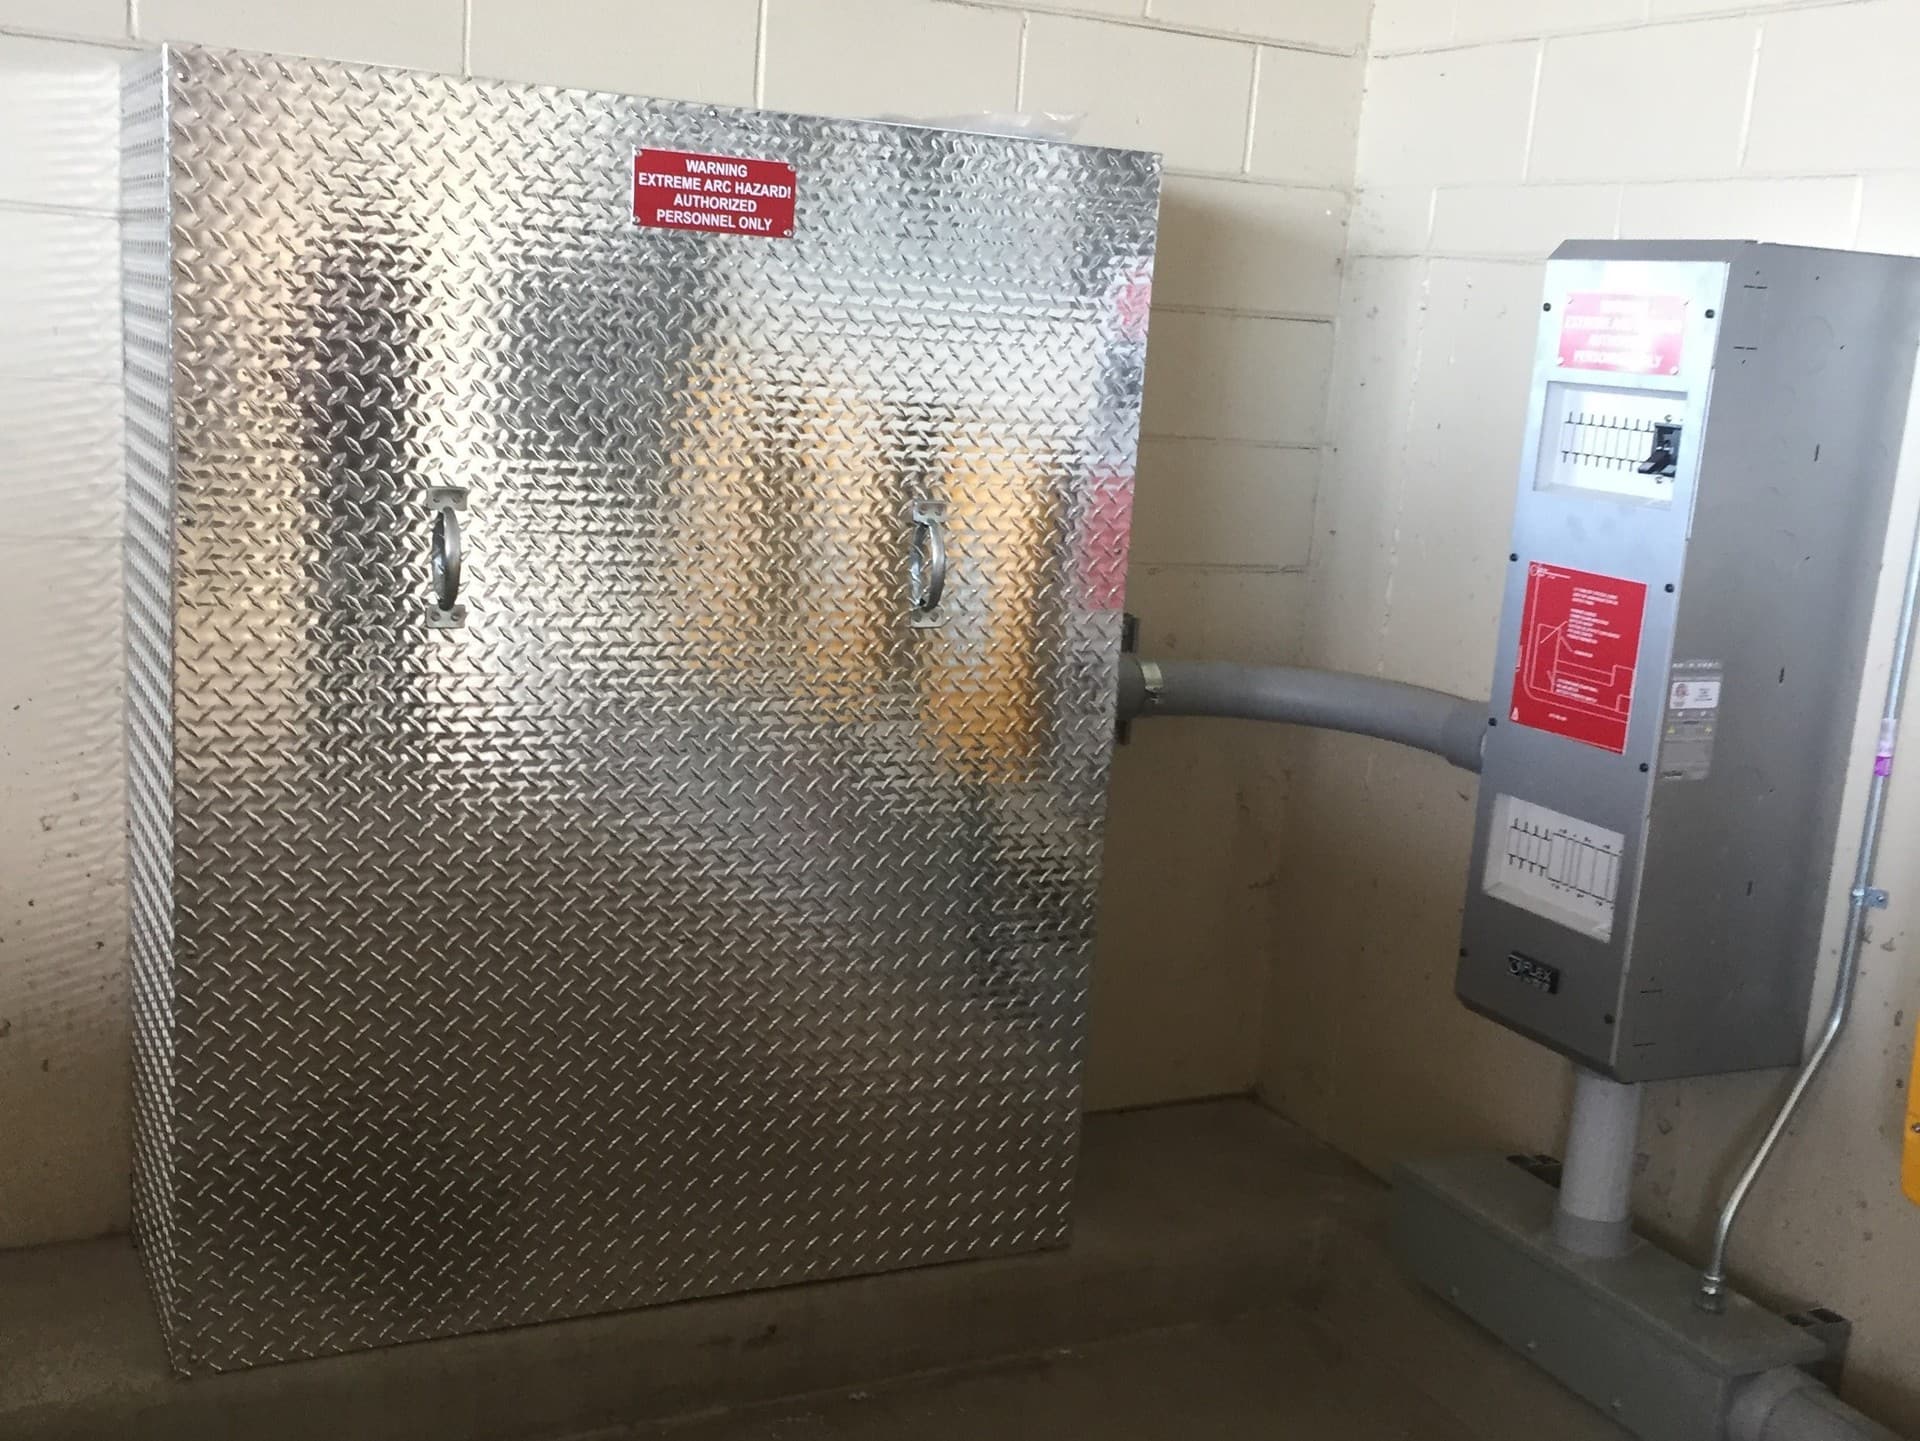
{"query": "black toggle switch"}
(1665, 454)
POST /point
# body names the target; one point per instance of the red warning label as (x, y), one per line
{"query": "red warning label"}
(1579, 644)
(682, 190)
(1630, 334)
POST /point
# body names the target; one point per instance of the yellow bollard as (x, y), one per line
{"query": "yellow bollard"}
(1910, 1165)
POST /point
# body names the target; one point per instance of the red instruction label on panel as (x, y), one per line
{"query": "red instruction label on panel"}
(1628, 334)
(731, 194)
(1579, 644)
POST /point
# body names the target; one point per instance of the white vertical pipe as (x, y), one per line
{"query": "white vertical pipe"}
(1594, 1215)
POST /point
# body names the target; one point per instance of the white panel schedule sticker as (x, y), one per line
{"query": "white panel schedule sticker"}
(1554, 865)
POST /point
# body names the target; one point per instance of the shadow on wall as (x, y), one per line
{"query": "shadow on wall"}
(1370, 1049)
(1245, 285)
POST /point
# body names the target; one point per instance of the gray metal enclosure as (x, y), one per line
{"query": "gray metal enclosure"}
(696, 903)
(1706, 482)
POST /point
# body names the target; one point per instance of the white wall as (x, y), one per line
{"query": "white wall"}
(1254, 104)
(1491, 130)
(63, 1022)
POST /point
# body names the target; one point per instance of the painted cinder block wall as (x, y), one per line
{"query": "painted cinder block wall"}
(1254, 104)
(1490, 130)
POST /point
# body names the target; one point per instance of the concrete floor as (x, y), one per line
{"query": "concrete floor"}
(1252, 1379)
(1229, 1277)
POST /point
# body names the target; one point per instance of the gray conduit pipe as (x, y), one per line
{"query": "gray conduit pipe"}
(1593, 1213)
(1428, 720)
(1787, 1404)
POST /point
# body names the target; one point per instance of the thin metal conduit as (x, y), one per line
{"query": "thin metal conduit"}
(1712, 1295)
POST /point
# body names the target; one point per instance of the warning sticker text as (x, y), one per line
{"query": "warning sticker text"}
(681, 190)
(1579, 645)
(1630, 334)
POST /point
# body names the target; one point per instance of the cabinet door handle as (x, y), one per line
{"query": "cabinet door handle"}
(444, 562)
(927, 561)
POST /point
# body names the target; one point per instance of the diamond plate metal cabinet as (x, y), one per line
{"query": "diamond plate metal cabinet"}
(679, 911)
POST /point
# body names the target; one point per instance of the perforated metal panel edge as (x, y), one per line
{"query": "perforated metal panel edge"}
(682, 911)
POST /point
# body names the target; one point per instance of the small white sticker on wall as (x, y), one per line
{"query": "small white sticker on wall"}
(1554, 865)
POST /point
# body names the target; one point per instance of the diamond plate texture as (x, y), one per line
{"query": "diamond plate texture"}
(687, 920)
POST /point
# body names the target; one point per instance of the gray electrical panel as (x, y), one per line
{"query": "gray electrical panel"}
(1703, 500)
